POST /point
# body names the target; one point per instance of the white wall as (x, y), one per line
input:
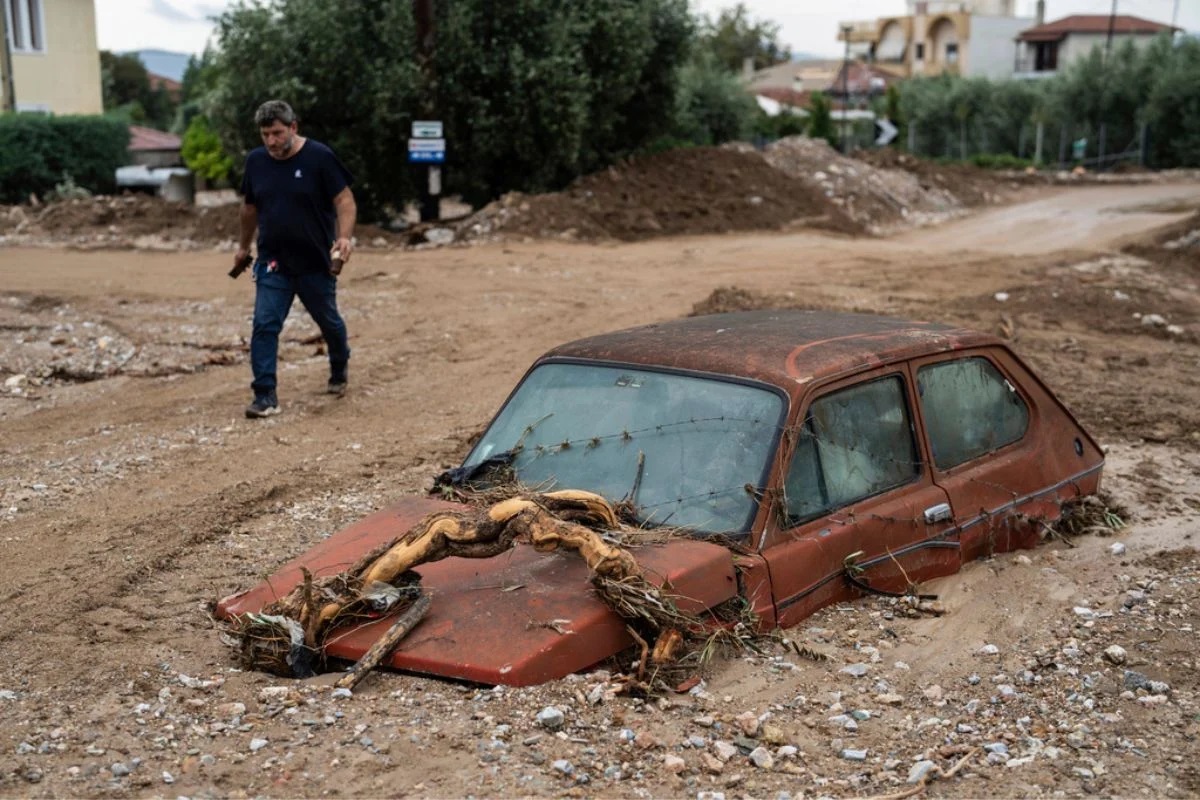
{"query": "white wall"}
(1079, 45)
(993, 49)
(999, 8)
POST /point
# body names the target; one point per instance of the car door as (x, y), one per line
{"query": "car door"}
(857, 496)
(1001, 446)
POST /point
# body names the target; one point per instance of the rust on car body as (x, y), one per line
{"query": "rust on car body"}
(491, 619)
(787, 349)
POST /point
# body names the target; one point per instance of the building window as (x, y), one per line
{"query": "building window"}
(920, 54)
(1045, 58)
(952, 53)
(26, 33)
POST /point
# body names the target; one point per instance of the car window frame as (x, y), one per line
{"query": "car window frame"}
(987, 354)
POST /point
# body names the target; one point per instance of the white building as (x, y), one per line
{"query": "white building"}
(958, 37)
(1045, 49)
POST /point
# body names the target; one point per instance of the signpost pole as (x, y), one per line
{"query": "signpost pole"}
(425, 29)
(427, 145)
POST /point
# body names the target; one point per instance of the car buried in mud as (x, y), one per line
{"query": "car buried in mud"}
(805, 455)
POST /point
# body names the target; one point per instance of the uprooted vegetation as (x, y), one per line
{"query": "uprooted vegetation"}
(288, 637)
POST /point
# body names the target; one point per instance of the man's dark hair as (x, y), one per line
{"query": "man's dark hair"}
(274, 111)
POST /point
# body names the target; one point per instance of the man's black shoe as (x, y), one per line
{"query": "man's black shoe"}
(264, 405)
(337, 384)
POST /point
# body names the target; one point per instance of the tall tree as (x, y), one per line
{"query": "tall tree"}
(125, 84)
(532, 92)
(734, 37)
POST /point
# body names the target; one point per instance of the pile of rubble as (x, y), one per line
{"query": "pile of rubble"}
(879, 199)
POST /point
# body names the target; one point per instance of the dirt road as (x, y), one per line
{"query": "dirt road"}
(132, 493)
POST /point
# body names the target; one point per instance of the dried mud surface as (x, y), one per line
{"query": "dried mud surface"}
(132, 494)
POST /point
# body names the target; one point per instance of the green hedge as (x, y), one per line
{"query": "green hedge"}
(38, 152)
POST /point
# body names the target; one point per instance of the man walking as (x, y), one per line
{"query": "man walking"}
(297, 196)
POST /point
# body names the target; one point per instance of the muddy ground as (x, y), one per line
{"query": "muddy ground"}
(133, 493)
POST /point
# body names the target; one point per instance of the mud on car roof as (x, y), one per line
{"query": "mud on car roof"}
(785, 348)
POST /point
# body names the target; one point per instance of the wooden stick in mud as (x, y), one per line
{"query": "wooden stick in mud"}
(386, 643)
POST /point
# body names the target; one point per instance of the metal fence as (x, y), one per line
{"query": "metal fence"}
(1095, 146)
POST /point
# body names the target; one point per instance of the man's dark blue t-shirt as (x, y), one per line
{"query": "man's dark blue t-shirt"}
(297, 222)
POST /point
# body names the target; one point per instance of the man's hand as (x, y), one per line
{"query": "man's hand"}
(341, 251)
(241, 260)
(347, 211)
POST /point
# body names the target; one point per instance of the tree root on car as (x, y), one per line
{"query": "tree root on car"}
(288, 637)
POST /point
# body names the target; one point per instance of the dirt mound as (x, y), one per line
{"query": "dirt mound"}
(687, 191)
(139, 221)
(970, 185)
(725, 299)
(878, 199)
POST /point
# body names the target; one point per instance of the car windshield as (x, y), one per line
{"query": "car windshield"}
(687, 451)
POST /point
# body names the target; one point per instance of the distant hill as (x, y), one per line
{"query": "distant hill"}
(164, 62)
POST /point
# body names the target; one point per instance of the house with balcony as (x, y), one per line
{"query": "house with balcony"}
(935, 37)
(50, 60)
(1046, 48)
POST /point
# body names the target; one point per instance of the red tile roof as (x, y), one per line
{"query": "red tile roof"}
(157, 81)
(141, 139)
(1091, 23)
(789, 97)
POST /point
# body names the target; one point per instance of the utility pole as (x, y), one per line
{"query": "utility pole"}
(426, 31)
(1112, 21)
(846, 90)
(8, 91)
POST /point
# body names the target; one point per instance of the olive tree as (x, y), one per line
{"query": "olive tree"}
(532, 92)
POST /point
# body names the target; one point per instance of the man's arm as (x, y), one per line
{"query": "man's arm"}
(347, 213)
(249, 225)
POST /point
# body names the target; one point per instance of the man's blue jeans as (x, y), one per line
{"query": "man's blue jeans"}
(272, 302)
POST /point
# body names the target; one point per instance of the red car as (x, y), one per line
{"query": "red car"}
(788, 443)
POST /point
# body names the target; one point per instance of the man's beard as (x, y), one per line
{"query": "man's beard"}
(285, 149)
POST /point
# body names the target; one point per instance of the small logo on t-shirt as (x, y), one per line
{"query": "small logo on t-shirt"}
(298, 175)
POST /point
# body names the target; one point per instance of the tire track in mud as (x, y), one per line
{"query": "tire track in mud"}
(39, 606)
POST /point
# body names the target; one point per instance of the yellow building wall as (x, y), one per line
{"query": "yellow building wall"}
(65, 78)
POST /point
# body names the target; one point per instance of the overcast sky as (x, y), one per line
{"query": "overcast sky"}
(806, 25)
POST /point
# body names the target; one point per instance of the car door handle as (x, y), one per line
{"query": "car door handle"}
(938, 513)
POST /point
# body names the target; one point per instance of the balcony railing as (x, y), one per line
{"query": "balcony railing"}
(1029, 65)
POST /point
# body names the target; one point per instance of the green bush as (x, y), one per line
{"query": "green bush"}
(202, 151)
(820, 119)
(38, 153)
(711, 107)
(1000, 161)
(779, 126)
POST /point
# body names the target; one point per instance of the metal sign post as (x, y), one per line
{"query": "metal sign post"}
(428, 146)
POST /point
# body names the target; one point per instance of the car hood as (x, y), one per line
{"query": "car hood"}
(519, 618)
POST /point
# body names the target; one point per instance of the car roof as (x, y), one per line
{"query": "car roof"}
(787, 348)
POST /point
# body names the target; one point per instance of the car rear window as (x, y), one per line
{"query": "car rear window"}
(969, 409)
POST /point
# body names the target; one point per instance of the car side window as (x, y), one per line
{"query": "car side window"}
(854, 443)
(970, 409)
